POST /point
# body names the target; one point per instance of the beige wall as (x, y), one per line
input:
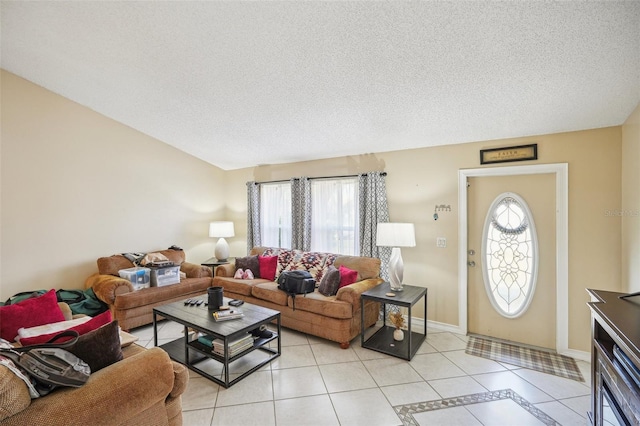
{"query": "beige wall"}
(77, 185)
(630, 209)
(420, 179)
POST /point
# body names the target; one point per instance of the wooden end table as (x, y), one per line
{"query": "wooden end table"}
(382, 339)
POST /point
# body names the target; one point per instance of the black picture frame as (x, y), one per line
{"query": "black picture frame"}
(509, 154)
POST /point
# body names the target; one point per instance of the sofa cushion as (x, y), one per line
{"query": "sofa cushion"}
(112, 264)
(268, 266)
(249, 262)
(270, 292)
(234, 285)
(330, 282)
(326, 306)
(367, 267)
(148, 296)
(29, 313)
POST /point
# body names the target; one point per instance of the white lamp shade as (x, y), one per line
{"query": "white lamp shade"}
(221, 229)
(391, 234)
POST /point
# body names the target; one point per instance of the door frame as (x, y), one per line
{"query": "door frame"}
(561, 171)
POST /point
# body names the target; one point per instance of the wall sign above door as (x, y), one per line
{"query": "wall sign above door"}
(507, 154)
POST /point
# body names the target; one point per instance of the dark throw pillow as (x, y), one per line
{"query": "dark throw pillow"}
(249, 262)
(330, 282)
(99, 348)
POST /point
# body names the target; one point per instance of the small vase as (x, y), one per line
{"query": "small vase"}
(398, 335)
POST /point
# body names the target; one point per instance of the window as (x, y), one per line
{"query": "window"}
(510, 253)
(335, 216)
(275, 214)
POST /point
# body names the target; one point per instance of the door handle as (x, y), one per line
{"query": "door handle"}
(471, 263)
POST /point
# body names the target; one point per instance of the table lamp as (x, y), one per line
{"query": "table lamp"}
(395, 235)
(221, 230)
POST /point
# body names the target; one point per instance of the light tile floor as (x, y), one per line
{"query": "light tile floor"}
(315, 382)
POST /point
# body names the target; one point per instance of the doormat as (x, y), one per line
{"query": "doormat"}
(534, 359)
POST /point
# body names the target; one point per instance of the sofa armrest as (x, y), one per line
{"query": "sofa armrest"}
(111, 396)
(226, 270)
(351, 293)
(107, 287)
(181, 379)
(195, 271)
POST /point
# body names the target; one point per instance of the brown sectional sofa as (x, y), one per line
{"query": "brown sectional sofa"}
(144, 388)
(335, 318)
(135, 308)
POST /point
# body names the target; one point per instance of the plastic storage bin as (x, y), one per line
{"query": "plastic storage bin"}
(165, 276)
(139, 277)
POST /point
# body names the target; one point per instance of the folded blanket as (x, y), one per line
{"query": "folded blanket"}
(54, 327)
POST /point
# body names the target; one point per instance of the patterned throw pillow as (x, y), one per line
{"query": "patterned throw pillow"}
(284, 258)
(328, 261)
(330, 282)
(313, 262)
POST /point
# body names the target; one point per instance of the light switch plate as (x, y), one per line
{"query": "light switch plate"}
(441, 242)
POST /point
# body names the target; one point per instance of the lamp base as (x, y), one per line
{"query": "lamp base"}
(222, 250)
(396, 269)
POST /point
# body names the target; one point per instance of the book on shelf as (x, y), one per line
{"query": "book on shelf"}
(227, 315)
(234, 351)
(236, 345)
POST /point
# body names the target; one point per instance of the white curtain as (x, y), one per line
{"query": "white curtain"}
(334, 217)
(275, 214)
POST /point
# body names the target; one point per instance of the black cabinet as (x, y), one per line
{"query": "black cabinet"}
(615, 359)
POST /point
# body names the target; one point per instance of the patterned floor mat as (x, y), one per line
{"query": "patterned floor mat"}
(545, 362)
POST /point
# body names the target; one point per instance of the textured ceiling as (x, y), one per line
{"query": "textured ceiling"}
(239, 84)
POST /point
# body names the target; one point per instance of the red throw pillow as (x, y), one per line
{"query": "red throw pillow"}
(268, 265)
(93, 324)
(29, 313)
(347, 276)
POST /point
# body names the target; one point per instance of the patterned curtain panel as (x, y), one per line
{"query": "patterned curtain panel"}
(301, 213)
(253, 215)
(373, 210)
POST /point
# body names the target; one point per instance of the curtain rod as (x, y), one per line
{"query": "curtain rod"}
(314, 178)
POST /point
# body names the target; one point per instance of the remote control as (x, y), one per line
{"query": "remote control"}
(193, 302)
(186, 302)
(199, 302)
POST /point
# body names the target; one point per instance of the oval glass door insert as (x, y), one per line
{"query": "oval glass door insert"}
(510, 255)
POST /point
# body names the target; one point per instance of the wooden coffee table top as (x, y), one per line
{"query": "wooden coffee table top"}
(200, 317)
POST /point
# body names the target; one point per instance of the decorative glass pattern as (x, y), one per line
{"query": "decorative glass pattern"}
(510, 254)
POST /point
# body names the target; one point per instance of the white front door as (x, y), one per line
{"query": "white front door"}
(535, 326)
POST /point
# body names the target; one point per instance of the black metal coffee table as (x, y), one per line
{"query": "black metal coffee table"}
(200, 319)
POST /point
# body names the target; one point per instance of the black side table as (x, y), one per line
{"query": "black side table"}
(382, 340)
(213, 263)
